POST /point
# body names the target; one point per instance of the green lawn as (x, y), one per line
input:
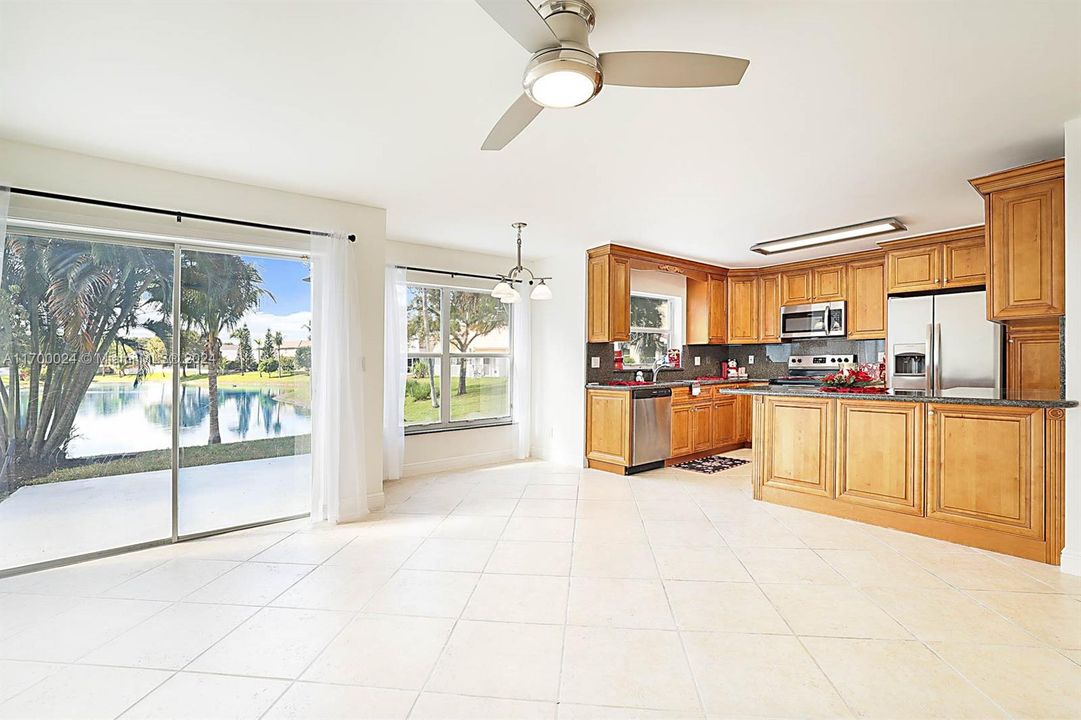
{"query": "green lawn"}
(189, 457)
(484, 397)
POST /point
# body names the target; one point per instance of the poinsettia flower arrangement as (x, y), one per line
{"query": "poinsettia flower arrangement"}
(864, 378)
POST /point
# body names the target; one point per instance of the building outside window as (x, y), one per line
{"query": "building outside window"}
(655, 328)
(459, 361)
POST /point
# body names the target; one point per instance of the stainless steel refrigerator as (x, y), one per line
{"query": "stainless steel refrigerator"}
(942, 342)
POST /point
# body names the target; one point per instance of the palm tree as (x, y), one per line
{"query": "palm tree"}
(278, 340)
(216, 290)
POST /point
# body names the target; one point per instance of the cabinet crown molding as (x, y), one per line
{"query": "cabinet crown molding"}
(971, 232)
(1020, 176)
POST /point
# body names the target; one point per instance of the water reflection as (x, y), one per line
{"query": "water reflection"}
(115, 417)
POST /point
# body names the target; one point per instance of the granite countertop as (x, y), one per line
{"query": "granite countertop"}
(674, 384)
(952, 396)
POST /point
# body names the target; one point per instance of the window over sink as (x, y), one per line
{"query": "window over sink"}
(655, 328)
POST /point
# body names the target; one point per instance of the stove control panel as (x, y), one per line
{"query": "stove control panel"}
(819, 362)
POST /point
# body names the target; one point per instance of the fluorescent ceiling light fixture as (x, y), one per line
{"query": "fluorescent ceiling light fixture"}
(824, 237)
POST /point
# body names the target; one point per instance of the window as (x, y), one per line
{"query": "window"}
(655, 328)
(459, 359)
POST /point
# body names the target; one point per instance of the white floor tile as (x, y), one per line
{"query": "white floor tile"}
(20, 674)
(519, 598)
(440, 706)
(616, 602)
(539, 529)
(833, 611)
(621, 560)
(451, 555)
(470, 527)
(83, 691)
(530, 558)
(717, 564)
(334, 587)
(723, 606)
(304, 548)
(308, 701)
(429, 593)
(172, 580)
(251, 583)
(202, 697)
(275, 642)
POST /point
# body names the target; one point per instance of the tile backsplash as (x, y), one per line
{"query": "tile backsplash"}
(770, 361)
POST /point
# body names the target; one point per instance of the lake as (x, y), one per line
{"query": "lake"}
(115, 417)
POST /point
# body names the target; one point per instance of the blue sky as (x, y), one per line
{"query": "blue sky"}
(290, 310)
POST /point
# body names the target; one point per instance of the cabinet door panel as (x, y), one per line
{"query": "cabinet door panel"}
(914, 269)
(796, 287)
(880, 455)
(725, 427)
(800, 452)
(1033, 358)
(1027, 251)
(742, 310)
(964, 263)
(701, 428)
(985, 467)
(620, 302)
(867, 300)
(769, 308)
(609, 299)
(681, 430)
(718, 301)
(608, 426)
(829, 283)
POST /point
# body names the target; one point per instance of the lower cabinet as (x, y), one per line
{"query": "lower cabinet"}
(681, 430)
(711, 421)
(799, 450)
(985, 467)
(701, 427)
(608, 426)
(1033, 357)
(724, 421)
(880, 454)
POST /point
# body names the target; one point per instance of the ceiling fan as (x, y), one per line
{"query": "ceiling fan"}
(564, 72)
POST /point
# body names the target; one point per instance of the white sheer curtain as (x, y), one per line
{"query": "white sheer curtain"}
(521, 373)
(394, 370)
(339, 490)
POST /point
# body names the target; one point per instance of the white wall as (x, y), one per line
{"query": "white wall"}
(1071, 555)
(559, 357)
(437, 451)
(41, 168)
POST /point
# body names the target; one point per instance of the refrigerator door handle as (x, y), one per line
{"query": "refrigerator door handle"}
(930, 368)
(938, 357)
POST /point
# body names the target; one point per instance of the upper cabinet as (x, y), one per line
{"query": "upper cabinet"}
(609, 297)
(706, 310)
(796, 287)
(828, 283)
(867, 298)
(934, 262)
(742, 309)
(769, 308)
(1025, 210)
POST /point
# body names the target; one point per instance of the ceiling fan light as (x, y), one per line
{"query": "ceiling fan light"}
(512, 297)
(563, 78)
(501, 289)
(541, 292)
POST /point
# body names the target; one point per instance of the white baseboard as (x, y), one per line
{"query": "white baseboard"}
(376, 501)
(458, 462)
(1070, 562)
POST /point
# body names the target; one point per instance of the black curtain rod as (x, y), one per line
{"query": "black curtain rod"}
(179, 215)
(456, 274)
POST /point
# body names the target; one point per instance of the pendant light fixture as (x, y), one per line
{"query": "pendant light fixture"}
(504, 289)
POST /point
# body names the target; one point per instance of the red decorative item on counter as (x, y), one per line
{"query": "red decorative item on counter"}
(618, 361)
(675, 358)
(867, 379)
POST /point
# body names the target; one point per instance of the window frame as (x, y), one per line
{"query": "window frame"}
(446, 357)
(673, 331)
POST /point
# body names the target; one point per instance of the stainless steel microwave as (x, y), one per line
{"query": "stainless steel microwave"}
(813, 320)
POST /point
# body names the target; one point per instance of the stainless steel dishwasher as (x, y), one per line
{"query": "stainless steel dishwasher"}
(651, 428)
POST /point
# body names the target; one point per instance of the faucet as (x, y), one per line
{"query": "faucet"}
(660, 364)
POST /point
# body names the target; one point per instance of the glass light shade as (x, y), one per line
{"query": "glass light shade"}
(541, 292)
(502, 288)
(571, 84)
(512, 297)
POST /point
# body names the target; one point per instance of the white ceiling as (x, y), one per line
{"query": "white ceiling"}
(848, 112)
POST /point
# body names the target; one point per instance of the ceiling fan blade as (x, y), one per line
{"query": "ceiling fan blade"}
(514, 121)
(522, 22)
(671, 69)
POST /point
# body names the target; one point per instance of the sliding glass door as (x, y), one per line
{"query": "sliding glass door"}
(85, 397)
(245, 390)
(94, 453)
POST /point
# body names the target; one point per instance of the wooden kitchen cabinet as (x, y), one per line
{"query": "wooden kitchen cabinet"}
(745, 416)
(867, 299)
(608, 426)
(725, 421)
(682, 443)
(880, 455)
(769, 308)
(701, 427)
(964, 262)
(707, 322)
(609, 298)
(796, 287)
(828, 283)
(985, 467)
(742, 309)
(1026, 231)
(915, 269)
(1033, 356)
(799, 445)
